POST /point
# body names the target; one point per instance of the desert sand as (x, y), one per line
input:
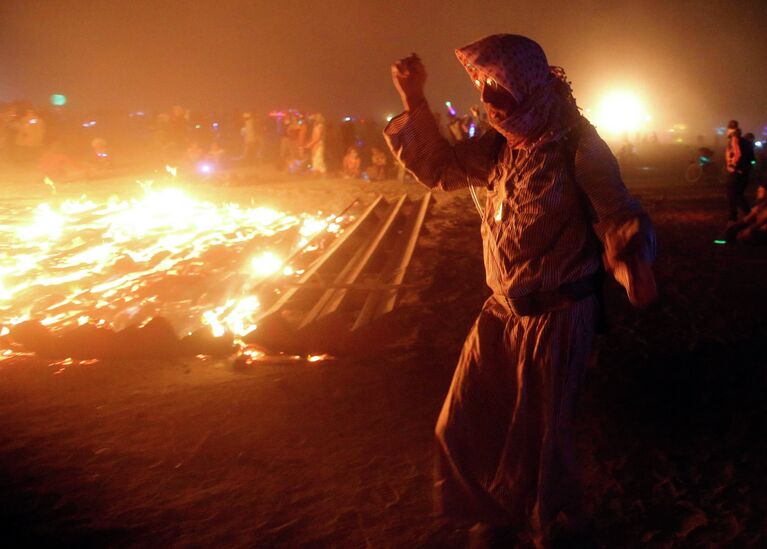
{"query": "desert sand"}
(203, 452)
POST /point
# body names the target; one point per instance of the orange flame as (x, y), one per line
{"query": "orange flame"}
(122, 261)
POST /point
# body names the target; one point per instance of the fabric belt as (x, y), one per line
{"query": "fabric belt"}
(555, 300)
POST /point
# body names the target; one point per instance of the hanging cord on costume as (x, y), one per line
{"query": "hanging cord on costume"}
(474, 197)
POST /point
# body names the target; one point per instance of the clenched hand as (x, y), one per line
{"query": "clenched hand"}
(409, 77)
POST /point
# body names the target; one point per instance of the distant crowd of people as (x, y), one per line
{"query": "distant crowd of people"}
(65, 146)
(310, 145)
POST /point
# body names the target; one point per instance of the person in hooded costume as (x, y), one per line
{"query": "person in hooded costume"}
(556, 215)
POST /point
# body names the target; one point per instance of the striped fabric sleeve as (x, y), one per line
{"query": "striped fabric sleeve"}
(416, 142)
(619, 220)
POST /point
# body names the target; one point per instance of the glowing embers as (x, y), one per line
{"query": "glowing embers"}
(94, 271)
(62, 365)
(249, 354)
(236, 316)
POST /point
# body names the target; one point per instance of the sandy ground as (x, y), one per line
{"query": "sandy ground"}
(338, 454)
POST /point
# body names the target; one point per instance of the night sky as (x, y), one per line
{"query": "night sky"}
(699, 62)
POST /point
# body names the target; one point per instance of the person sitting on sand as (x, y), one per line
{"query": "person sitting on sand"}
(752, 229)
(350, 168)
(556, 205)
(377, 169)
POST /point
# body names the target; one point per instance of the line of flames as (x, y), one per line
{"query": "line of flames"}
(82, 261)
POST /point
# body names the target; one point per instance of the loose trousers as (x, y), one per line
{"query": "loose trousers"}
(505, 436)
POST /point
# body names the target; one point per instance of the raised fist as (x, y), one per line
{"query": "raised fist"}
(409, 77)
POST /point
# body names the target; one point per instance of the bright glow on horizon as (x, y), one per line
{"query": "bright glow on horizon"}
(620, 112)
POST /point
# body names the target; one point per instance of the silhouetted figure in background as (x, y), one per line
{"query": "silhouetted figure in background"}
(626, 153)
(455, 128)
(348, 133)
(738, 156)
(296, 135)
(334, 146)
(749, 152)
(252, 138)
(30, 136)
(480, 119)
(316, 145)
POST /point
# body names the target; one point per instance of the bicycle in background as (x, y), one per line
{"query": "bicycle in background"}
(704, 168)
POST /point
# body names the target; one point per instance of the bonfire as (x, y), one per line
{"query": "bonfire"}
(162, 274)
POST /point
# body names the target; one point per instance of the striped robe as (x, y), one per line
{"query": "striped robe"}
(505, 444)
